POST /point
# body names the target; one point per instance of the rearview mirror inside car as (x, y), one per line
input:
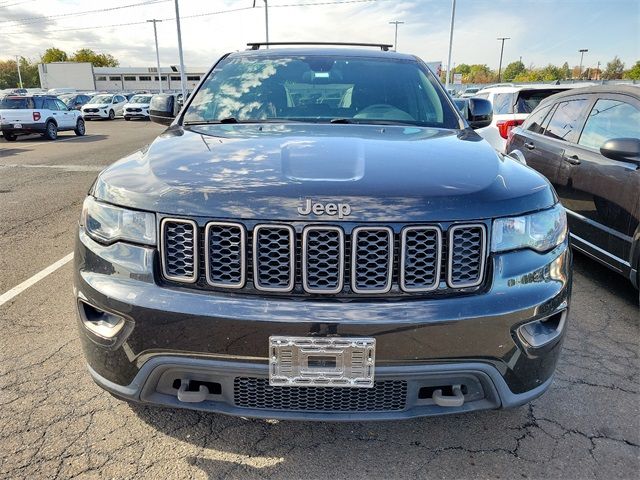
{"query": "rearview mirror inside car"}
(479, 113)
(623, 149)
(161, 109)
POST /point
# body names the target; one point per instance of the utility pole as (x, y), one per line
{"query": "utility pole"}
(19, 74)
(453, 17)
(395, 41)
(598, 72)
(155, 34)
(266, 18)
(502, 39)
(183, 78)
(582, 50)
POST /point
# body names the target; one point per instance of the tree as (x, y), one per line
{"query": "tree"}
(96, 59)
(9, 74)
(479, 74)
(614, 69)
(633, 73)
(566, 71)
(53, 54)
(513, 69)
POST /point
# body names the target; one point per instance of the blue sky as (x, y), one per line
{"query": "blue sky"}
(541, 31)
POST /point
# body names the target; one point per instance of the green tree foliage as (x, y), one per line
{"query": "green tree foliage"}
(96, 59)
(633, 73)
(9, 74)
(566, 71)
(53, 54)
(512, 70)
(614, 69)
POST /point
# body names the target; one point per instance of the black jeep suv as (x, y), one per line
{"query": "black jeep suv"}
(319, 234)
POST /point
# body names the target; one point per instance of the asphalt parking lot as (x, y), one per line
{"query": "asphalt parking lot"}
(54, 422)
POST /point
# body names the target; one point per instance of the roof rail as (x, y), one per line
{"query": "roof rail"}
(383, 46)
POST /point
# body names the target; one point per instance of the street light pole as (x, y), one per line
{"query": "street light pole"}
(155, 34)
(266, 18)
(19, 74)
(395, 41)
(502, 39)
(582, 50)
(453, 17)
(183, 79)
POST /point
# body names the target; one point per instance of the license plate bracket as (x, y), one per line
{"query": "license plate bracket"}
(322, 361)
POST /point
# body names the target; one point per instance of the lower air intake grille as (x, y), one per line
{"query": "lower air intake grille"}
(388, 395)
(467, 245)
(179, 250)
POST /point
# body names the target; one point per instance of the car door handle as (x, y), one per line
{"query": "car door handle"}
(529, 145)
(572, 159)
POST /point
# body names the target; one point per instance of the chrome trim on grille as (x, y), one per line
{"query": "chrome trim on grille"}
(305, 283)
(482, 260)
(178, 278)
(354, 246)
(243, 254)
(403, 249)
(292, 257)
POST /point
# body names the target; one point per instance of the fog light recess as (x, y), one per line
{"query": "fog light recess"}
(101, 323)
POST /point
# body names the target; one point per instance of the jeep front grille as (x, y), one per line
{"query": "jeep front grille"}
(386, 395)
(324, 259)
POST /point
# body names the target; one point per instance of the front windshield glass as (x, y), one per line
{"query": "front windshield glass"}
(141, 99)
(321, 89)
(101, 99)
(66, 98)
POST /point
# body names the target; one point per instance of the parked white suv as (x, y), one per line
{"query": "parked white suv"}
(512, 104)
(104, 105)
(44, 114)
(138, 107)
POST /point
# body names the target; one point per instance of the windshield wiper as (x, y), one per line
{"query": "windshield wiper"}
(341, 120)
(367, 121)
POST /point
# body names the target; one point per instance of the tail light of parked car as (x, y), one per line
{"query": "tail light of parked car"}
(36, 116)
(505, 127)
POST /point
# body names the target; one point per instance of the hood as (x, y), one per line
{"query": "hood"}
(268, 171)
(136, 105)
(95, 105)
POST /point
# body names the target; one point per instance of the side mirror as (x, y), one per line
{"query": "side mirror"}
(162, 108)
(480, 113)
(623, 149)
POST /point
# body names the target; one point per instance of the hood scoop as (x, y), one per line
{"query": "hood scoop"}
(323, 160)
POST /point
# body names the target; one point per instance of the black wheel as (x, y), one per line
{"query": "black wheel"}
(127, 118)
(51, 131)
(10, 137)
(80, 128)
(112, 114)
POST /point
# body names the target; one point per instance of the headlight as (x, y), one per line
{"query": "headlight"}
(539, 231)
(108, 224)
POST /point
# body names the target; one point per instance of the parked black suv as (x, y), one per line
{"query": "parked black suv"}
(587, 143)
(319, 234)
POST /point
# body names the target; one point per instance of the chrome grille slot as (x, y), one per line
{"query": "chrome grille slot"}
(372, 259)
(322, 259)
(273, 257)
(225, 254)
(467, 250)
(420, 259)
(179, 245)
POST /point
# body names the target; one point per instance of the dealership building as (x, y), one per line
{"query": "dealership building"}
(84, 76)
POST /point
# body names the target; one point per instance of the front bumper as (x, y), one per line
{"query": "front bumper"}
(219, 338)
(98, 114)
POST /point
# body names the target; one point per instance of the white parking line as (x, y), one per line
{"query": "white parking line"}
(66, 168)
(18, 289)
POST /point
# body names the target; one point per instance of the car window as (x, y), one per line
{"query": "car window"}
(9, 103)
(50, 104)
(566, 119)
(119, 99)
(528, 100)
(321, 88)
(502, 103)
(534, 122)
(61, 105)
(610, 119)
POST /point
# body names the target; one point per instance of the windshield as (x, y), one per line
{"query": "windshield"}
(12, 103)
(101, 99)
(66, 98)
(321, 89)
(141, 99)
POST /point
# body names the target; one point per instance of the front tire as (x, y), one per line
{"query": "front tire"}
(127, 118)
(80, 128)
(112, 115)
(51, 131)
(10, 137)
